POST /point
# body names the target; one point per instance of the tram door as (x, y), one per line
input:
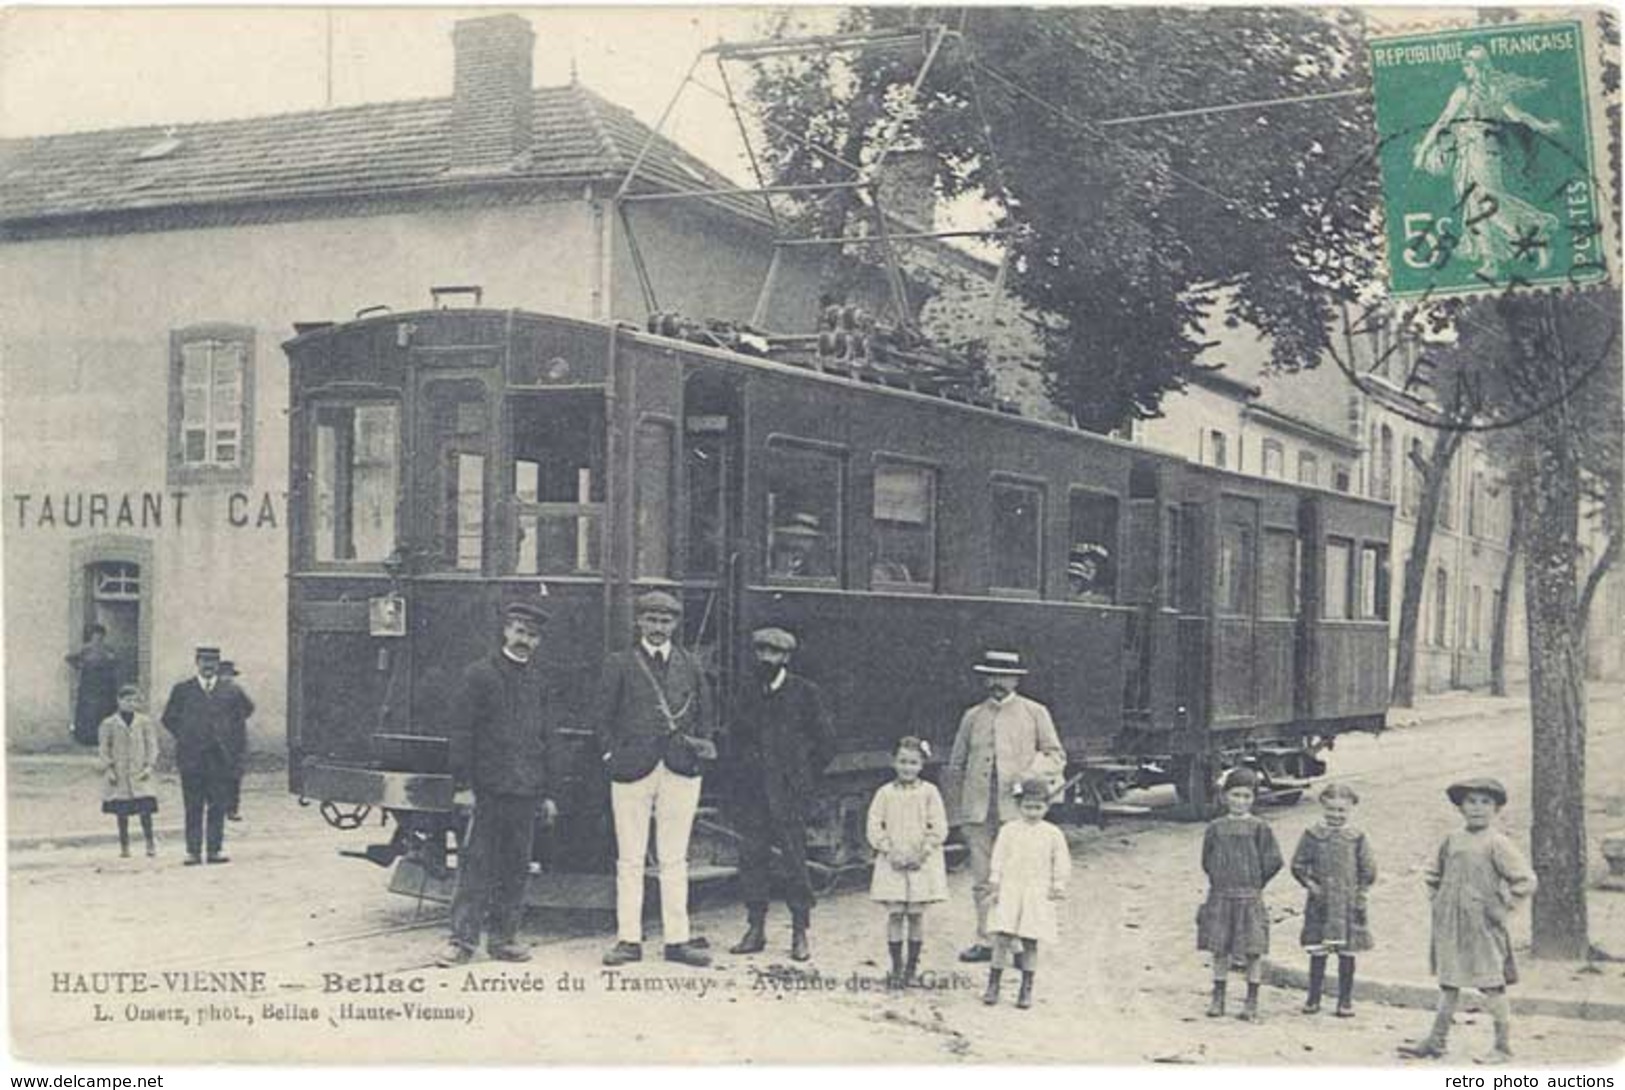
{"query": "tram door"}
(712, 425)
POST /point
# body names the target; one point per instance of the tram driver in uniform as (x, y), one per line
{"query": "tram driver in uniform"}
(501, 747)
(655, 730)
(797, 550)
(1001, 741)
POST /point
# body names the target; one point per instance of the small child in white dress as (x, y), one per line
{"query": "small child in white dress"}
(907, 825)
(1031, 865)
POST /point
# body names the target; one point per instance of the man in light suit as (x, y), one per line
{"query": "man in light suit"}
(1000, 741)
(655, 731)
(203, 713)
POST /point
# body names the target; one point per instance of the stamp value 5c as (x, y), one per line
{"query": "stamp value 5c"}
(1485, 153)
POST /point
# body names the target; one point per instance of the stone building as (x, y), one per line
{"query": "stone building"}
(148, 277)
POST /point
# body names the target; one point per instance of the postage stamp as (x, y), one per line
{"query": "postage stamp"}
(1486, 158)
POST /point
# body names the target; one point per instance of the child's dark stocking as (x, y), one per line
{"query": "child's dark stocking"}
(1433, 1045)
(1221, 972)
(916, 938)
(124, 835)
(991, 996)
(1317, 982)
(146, 833)
(1495, 1000)
(1345, 986)
(1255, 976)
(1029, 966)
(896, 928)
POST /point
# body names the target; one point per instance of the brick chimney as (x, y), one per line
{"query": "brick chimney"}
(907, 189)
(492, 104)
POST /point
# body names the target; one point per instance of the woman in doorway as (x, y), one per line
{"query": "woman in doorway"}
(97, 696)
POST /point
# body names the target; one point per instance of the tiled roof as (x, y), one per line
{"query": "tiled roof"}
(382, 149)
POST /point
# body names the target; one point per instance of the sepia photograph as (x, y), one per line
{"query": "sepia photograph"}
(814, 535)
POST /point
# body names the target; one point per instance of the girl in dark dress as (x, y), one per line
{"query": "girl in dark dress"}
(1240, 856)
(98, 684)
(1335, 864)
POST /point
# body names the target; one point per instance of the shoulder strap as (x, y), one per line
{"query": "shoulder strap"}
(671, 717)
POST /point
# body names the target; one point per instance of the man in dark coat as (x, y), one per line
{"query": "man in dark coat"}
(236, 739)
(655, 727)
(783, 740)
(502, 748)
(203, 714)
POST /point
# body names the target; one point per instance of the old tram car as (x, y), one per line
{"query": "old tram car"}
(446, 458)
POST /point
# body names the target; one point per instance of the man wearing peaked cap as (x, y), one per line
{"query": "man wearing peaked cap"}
(503, 748)
(656, 721)
(1001, 740)
(783, 740)
(203, 713)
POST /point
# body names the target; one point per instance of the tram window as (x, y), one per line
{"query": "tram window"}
(1374, 582)
(1338, 596)
(558, 483)
(1173, 546)
(905, 525)
(458, 434)
(1018, 520)
(1235, 568)
(1278, 577)
(356, 475)
(652, 501)
(1091, 563)
(803, 513)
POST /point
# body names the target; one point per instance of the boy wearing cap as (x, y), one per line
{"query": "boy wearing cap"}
(200, 715)
(655, 728)
(784, 740)
(501, 746)
(1475, 881)
(1000, 741)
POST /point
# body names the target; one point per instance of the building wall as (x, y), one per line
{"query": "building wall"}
(86, 355)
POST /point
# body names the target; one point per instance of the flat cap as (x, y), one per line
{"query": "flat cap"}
(1240, 776)
(1491, 787)
(658, 601)
(228, 667)
(525, 611)
(776, 638)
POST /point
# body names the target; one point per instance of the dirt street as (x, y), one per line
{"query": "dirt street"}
(1124, 985)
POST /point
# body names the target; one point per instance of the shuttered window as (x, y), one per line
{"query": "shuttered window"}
(211, 405)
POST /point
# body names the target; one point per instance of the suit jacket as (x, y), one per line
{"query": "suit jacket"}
(634, 734)
(234, 737)
(205, 723)
(782, 740)
(502, 738)
(1007, 738)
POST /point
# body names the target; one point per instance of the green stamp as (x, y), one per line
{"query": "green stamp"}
(1485, 154)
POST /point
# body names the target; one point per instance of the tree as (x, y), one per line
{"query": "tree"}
(1546, 379)
(1503, 601)
(1119, 224)
(1434, 471)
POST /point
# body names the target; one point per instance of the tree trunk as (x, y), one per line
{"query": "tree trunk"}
(1550, 494)
(1503, 605)
(1434, 473)
(1604, 564)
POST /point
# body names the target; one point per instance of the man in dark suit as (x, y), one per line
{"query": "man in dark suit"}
(203, 714)
(502, 747)
(783, 741)
(655, 728)
(236, 739)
